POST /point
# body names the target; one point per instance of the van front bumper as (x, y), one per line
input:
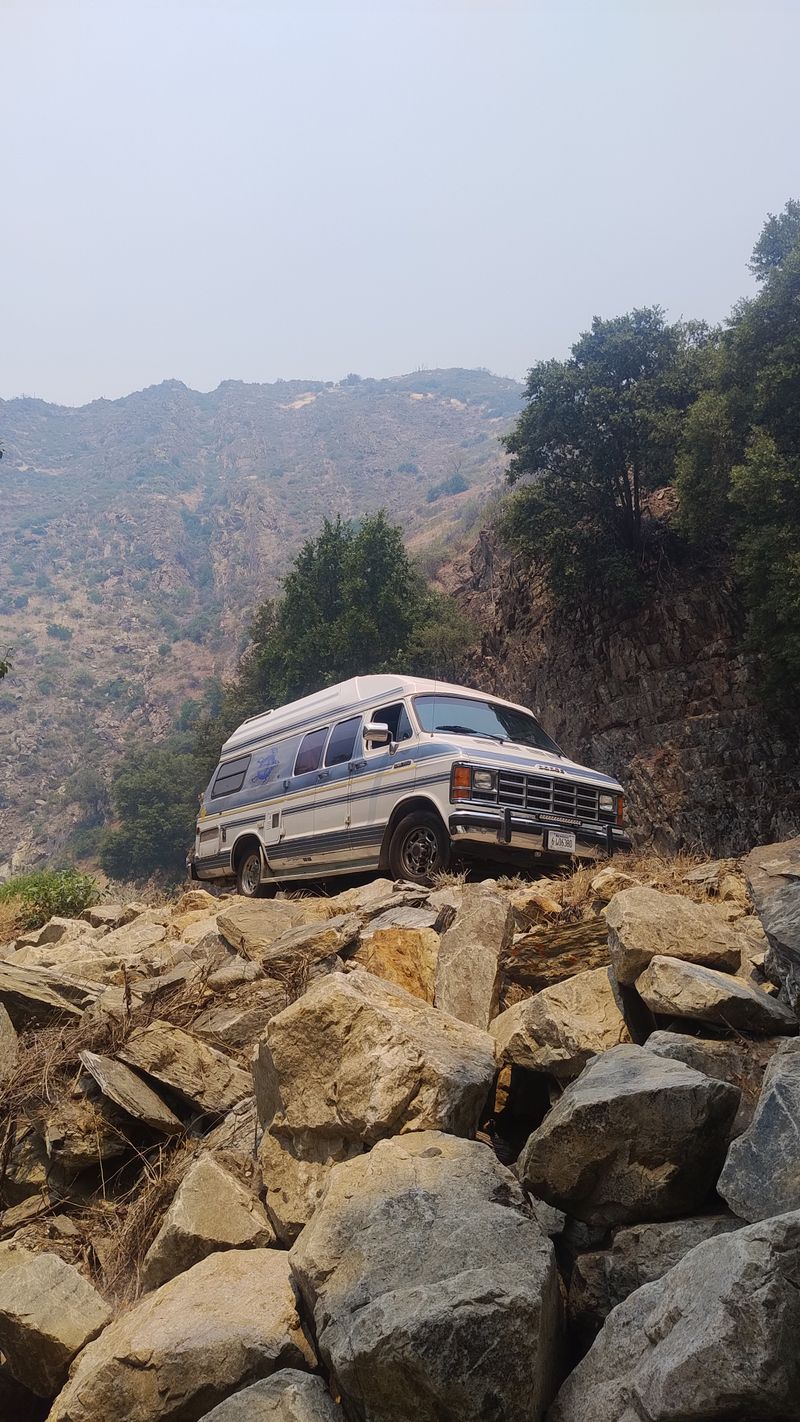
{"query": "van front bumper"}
(516, 832)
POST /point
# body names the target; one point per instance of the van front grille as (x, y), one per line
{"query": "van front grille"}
(567, 799)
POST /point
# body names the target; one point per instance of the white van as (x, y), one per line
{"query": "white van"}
(396, 773)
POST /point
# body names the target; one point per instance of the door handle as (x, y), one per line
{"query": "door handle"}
(324, 775)
(356, 765)
(401, 764)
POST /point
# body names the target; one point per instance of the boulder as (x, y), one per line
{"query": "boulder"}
(761, 1175)
(205, 1078)
(754, 946)
(127, 1090)
(106, 916)
(403, 956)
(433, 1290)
(739, 1060)
(672, 988)
(56, 930)
(644, 923)
(197, 901)
(251, 925)
(48, 1312)
(38, 995)
(309, 944)
(710, 874)
(237, 1133)
(406, 915)
(714, 1338)
(534, 901)
(549, 954)
(210, 1211)
(638, 1254)
(243, 1015)
(773, 877)
(226, 1322)
(635, 1137)
(9, 1046)
(288, 1396)
(560, 1028)
(611, 881)
(468, 964)
(80, 1133)
(356, 1059)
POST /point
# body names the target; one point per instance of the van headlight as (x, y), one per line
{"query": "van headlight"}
(607, 804)
(484, 781)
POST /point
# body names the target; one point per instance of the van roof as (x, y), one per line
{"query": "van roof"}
(334, 701)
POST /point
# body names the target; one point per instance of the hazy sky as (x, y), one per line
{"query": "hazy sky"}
(253, 189)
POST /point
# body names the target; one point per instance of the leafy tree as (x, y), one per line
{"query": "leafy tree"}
(154, 793)
(779, 236)
(5, 665)
(599, 430)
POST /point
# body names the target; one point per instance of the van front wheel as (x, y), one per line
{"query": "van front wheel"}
(419, 848)
(248, 874)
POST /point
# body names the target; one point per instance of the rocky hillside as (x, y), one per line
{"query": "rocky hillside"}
(496, 1150)
(139, 534)
(664, 698)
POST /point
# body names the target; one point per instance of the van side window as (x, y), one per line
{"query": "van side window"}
(342, 741)
(396, 718)
(309, 755)
(230, 777)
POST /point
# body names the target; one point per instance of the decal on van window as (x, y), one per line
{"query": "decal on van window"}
(266, 767)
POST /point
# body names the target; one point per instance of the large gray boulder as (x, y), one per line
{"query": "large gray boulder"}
(761, 1175)
(714, 1339)
(740, 1060)
(635, 1137)
(468, 966)
(353, 1060)
(773, 877)
(210, 1211)
(433, 1290)
(288, 1396)
(179, 1351)
(637, 1255)
(48, 1312)
(645, 923)
(672, 988)
(559, 1029)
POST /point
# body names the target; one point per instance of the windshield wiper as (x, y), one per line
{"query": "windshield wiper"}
(479, 735)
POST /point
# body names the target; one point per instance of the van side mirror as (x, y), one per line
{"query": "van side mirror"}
(377, 732)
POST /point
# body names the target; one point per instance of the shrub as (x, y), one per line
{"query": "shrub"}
(59, 631)
(34, 898)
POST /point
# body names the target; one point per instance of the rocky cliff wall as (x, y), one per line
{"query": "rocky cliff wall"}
(664, 699)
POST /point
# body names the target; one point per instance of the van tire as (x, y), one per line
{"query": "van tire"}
(248, 874)
(419, 848)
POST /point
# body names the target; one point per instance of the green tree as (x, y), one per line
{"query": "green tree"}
(598, 431)
(154, 794)
(5, 665)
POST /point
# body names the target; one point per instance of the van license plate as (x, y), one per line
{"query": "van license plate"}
(561, 840)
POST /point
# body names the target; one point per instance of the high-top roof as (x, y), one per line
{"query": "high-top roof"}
(334, 701)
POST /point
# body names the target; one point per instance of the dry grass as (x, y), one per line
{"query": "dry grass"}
(138, 1217)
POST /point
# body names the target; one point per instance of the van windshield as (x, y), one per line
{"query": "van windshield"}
(469, 716)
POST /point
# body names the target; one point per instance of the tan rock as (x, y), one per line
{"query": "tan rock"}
(288, 1396)
(204, 1077)
(610, 881)
(122, 1086)
(550, 954)
(226, 1322)
(210, 1211)
(197, 929)
(242, 1017)
(644, 924)
(9, 1046)
(251, 925)
(353, 1060)
(468, 964)
(48, 1312)
(79, 1133)
(405, 956)
(40, 995)
(559, 1029)
(673, 988)
(535, 900)
(106, 916)
(196, 901)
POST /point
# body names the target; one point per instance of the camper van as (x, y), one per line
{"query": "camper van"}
(401, 775)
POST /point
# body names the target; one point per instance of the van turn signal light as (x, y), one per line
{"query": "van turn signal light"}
(461, 788)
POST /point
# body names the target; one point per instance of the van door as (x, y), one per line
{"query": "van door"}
(380, 776)
(331, 806)
(296, 847)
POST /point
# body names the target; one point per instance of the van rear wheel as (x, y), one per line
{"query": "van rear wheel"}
(419, 848)
(248, 874)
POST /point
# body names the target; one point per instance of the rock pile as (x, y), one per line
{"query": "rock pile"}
(485, 1151)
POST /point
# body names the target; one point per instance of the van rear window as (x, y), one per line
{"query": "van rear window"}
(230, 777)
(309, 755)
